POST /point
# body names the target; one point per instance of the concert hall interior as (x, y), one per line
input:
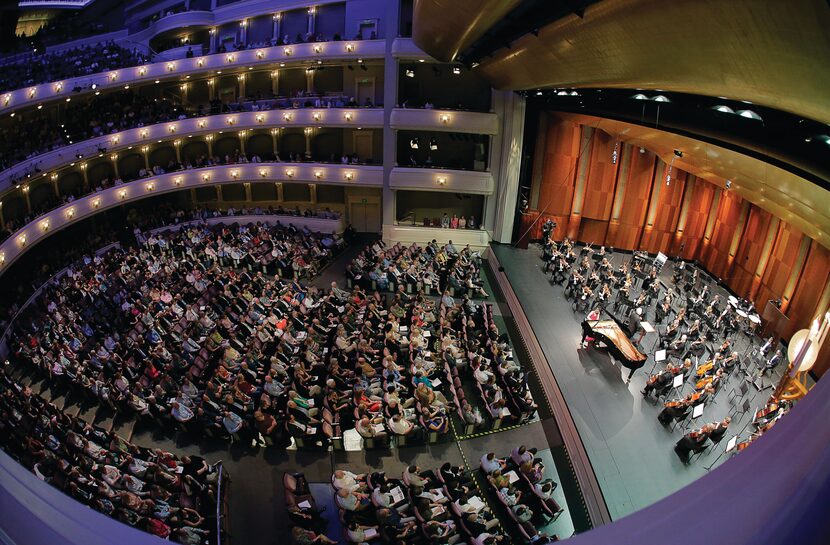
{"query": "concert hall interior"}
(414, 272)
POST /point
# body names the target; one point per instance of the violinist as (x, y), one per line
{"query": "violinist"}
(662, 310)
(658, 381)
(674, 409)
(713, 380)
(694, 440)
(719, 429)
(728, 362)
(604, 293)
(677, 347)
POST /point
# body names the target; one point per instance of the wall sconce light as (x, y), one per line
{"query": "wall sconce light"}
(260, 118)
(122, 194)
(349, 176)
(171, 129)
(289, 173)
(44, 225)
(349, 48)
(178, 181)
(114, 156)
(263, 173)
(21, 240)
(230, 120)
(445, 118)
(202, 124)
(200, 62)
(260, 54)
(150, 186)
(442, 180)
(230, 58)
(142, 71)
(59, 87)
(96, 203)
(171, 66)
(287, 51)
(318, 174)
(286, 116)
(32, 92)
(234, 174)
(143, 133)
(7, 99)
(115, 139)
(318, 48)
(316, 116)
(113, 76)
(205, 177)
(70, 213)
(2, 259)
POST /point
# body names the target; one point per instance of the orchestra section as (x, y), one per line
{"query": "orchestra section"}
(600, 189)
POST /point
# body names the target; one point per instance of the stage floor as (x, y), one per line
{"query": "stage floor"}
(630, 451)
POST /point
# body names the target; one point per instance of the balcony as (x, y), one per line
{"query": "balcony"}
(234, 61)
(445, 120)
(328, 117)
(27, 236)
(436, 179)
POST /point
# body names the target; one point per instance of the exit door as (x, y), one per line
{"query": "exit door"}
(365, 217)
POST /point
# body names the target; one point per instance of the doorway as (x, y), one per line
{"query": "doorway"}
(365, 216)
(362, 144)
(364, 88)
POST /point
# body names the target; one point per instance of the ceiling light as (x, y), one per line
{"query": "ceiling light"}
(724, 109)
(638, 96)
(660, 98)
(749, 114)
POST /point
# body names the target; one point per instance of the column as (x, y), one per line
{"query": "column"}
(219, 192)
(243, 31)
(506, 168)
(28, 201)
(114, 158)
(2, 220)
(538, 161)
(275, 82)
(242, 88)
(766, 250)
(309, 80)
(653, 200)
(177, 144)
(275, 26)
(248, 196)
(308, 131)
(626, 152)
(209, 140)
(145, 151)
(390, 97)
(312, 16)
(275, 137)
(213, 37)
(280, 192)
(312, 190)
(211, 83)
(737, 235)
(83, 173)
(582, 168)
(243, 137)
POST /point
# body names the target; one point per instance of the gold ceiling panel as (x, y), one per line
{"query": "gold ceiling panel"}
(795, 200)
(444, 28)
(770, 52)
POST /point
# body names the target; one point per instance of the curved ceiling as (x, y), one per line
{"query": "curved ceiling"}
(446, 27)
(771, 52)
(793, 199)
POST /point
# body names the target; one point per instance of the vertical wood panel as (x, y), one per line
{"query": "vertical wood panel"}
(559, 171)
(635, 201)
(780, 264)
(599, 189)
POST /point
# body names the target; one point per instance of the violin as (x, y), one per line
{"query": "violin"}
(766, 411)
(705, 369)
(695, 396)
(703, 383)
(674, 404)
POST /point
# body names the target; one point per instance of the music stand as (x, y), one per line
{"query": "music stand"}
(659, 356)
(697, 412)
(730, 446)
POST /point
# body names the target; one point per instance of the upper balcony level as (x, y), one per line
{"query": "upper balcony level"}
(184, 69)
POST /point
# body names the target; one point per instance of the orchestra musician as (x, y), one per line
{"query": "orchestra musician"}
(662, 380)
(695, 440)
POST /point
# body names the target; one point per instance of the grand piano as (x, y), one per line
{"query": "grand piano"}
(612, 334)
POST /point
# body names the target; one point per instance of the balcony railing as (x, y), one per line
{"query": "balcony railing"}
(445, 120)
(234, 61)
(438, 179)
(67, 214)
(183, 128)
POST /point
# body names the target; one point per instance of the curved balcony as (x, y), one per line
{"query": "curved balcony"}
(445, 120)
(299, 54)
(176, 21)
(55, 220)
(439, 179)
(182, 128)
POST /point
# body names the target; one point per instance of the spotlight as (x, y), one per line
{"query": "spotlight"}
(433, 143)
(728, 184)
(456, 70)
(414, 143)
(410, 73)
(642, 149)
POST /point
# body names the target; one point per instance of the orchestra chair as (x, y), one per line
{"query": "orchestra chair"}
(743, 389)
(698, 451)
(740, 410)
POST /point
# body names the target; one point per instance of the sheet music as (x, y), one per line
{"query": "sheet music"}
(512, 476)
(732, 443)
(698, 410)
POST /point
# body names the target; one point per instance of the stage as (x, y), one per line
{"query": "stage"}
(630, 451)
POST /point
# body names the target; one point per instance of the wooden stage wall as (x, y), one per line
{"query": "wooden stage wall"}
(628, 205)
